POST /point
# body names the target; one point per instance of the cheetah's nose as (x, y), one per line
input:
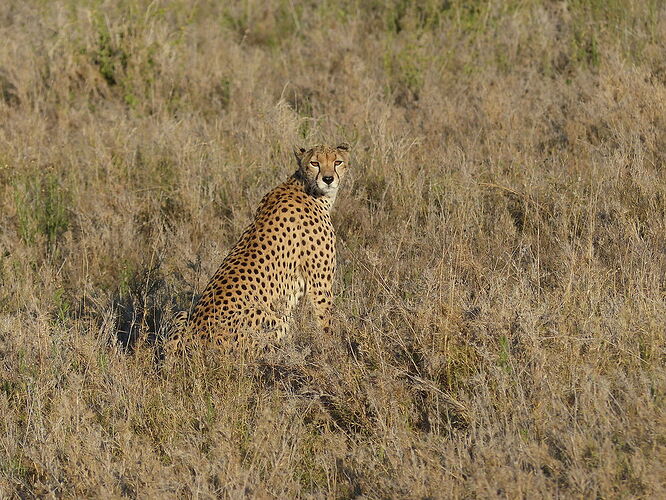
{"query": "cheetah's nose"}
(328, 179)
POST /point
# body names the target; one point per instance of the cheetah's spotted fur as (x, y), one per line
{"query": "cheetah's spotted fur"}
(288, 250)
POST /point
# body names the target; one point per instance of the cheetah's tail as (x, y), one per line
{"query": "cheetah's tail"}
(177, 332)
(180, 320)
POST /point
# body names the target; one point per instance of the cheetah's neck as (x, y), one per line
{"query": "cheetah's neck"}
(298, 180)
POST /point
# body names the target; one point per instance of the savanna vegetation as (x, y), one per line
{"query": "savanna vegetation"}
(500, 314)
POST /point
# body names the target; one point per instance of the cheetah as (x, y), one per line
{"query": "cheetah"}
(286, 252)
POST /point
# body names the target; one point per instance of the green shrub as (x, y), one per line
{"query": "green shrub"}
(42, 208)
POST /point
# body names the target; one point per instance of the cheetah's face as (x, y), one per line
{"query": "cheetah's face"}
(323, 167)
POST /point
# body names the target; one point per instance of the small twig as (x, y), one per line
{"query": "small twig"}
(518, 194)
(447, 397)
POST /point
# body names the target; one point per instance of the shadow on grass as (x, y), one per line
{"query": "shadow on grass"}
(145, 309)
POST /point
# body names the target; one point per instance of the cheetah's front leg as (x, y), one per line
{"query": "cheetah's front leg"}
(320, 295)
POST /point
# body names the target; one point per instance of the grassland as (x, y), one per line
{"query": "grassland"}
(501, 288)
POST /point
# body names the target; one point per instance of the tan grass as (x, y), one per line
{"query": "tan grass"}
(501, 288)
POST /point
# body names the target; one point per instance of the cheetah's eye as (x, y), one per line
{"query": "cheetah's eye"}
(338, 163)
(314, 163)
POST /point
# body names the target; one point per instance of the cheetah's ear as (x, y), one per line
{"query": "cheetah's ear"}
(298, 153)
(344, 146)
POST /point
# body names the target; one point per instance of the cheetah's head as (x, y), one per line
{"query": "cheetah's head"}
(322, 168)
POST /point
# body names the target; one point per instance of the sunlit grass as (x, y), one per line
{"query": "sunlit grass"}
(500, 294)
